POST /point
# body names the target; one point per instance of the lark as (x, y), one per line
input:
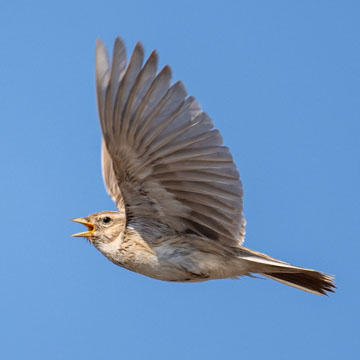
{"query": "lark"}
(177, 189)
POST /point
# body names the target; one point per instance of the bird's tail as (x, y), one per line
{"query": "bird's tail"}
(305, 279)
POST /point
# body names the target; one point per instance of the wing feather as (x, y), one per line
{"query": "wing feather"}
(125, 87)
(163, 162)
(151, 104)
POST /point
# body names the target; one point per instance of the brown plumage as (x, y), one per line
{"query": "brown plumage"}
(176, 186)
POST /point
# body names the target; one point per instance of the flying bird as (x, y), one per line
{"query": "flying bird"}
(178, 192)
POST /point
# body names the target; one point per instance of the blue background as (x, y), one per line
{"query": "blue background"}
(281, 81)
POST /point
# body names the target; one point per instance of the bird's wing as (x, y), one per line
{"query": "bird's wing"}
(162, 159)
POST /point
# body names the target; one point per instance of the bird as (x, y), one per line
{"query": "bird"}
(176, 187)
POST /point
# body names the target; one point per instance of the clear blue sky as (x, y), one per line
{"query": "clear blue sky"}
(281, 80)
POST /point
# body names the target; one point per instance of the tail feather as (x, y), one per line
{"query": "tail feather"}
(305, 279)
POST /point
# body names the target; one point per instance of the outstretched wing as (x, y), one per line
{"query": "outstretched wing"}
(162, 159)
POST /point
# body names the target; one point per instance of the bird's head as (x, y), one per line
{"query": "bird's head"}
(103, 227)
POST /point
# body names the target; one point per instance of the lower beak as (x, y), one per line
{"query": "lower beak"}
(89, 225)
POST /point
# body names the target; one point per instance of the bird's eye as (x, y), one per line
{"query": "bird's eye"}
(106, 220)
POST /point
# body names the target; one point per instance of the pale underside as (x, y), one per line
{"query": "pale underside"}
(163, 162)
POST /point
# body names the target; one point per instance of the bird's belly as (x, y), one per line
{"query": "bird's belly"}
(160, 268)
(179, 261)
(182, 264)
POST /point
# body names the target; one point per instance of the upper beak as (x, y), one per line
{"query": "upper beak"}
(89, 225)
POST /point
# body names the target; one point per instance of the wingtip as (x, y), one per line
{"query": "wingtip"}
(119, 43)
(139, 48)
(154, 56)
(99, 43)
(166, 70)
(180, 85)
(101, 55)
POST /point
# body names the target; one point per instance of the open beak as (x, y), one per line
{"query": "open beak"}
(90, 226)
